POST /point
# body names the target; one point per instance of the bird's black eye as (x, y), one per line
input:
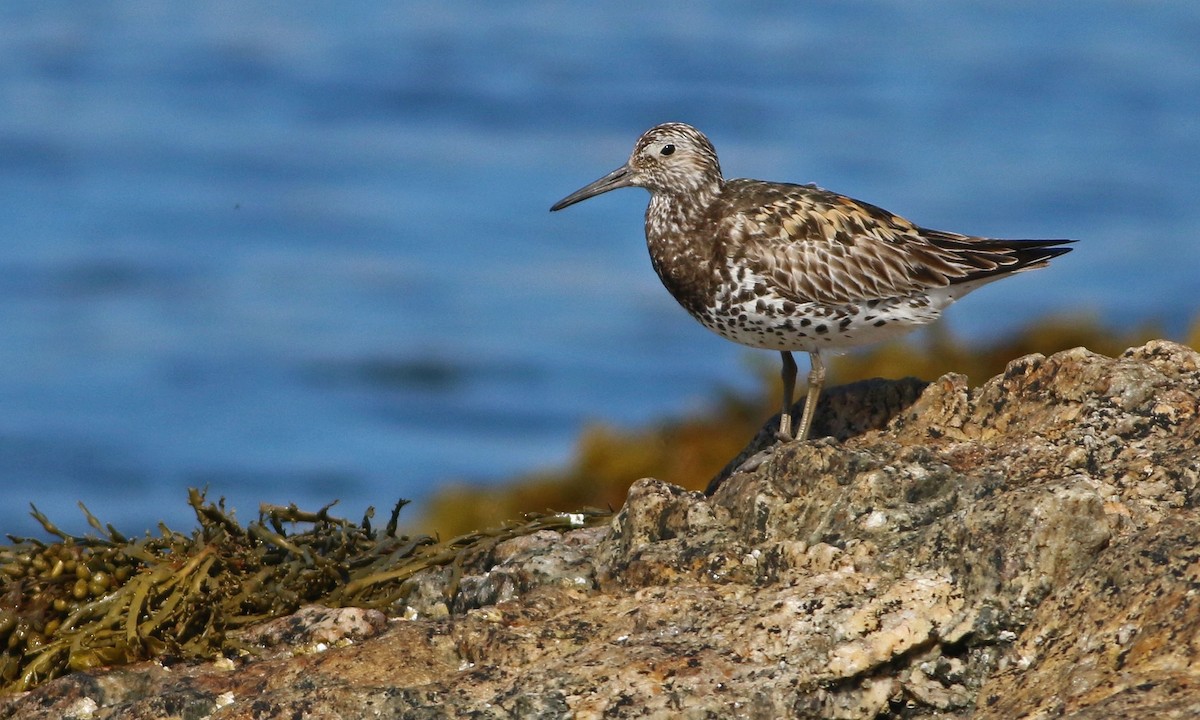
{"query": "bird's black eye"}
(667, 149)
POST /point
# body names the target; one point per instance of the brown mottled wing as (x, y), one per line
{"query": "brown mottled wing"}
(818, 246)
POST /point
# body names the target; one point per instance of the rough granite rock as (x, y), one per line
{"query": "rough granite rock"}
(1024, 549)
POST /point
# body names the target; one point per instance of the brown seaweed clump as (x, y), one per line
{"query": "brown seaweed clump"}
(83, 602)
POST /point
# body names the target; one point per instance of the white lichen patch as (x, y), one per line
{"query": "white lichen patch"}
(224, 699)
(82, 708)
(874, 520)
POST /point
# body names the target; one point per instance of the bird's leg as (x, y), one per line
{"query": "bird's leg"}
(789, 385)
(816, 381)
(784, 433)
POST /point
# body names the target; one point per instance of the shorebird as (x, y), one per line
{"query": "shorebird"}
(795, 267)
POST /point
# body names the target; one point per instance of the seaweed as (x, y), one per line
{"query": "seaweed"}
(81, 602)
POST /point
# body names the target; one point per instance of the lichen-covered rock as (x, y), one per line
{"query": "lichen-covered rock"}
(1024, 549)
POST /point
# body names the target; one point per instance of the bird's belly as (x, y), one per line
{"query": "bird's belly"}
(773, 323)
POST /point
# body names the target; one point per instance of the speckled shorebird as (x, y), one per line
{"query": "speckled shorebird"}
(795, 267)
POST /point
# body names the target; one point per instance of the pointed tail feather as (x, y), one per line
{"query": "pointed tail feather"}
(996, 257)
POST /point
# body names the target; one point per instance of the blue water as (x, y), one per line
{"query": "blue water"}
(301, 251)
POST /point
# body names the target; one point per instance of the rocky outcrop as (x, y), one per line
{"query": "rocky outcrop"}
(1024, 549)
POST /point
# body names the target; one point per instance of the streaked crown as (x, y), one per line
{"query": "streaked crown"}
(674, 158)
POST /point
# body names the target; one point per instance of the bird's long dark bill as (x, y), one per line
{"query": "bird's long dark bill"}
(618, 178)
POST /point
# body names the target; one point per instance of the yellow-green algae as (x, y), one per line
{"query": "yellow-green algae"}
(82, 602)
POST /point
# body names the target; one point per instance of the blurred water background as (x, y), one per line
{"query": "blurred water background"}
(301, 251)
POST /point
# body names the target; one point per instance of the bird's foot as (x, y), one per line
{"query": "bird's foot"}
(756, 460)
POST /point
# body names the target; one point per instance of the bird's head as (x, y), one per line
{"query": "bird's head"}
(672, 158)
